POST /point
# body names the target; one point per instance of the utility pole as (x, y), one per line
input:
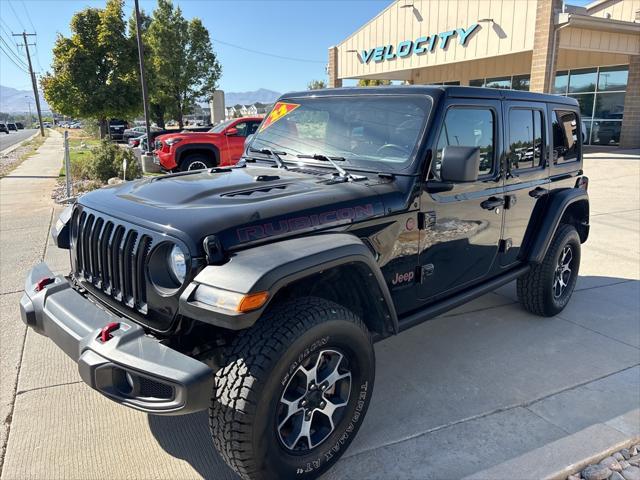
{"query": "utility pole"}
(30, 118)
(24, 35)
(143, 81)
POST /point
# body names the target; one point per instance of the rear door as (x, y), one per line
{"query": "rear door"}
(461, 228)
(527, 171)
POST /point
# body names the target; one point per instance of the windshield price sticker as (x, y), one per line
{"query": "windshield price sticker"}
(280, 110)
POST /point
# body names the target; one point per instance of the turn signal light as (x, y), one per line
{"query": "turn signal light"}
(252, 302)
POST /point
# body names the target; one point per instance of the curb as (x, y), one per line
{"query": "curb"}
(17, 145)
(557, 460)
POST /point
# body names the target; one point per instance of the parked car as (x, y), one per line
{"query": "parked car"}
(221, 145)
(20, 125)
(12, 126)
(138, 131)
(117, 128)
(257, 291)
(4, 128)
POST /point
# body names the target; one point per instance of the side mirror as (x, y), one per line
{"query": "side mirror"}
(232, 132)
(460, 164)
(247, 141)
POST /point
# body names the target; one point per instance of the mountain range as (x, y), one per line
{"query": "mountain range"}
(13, 100)
(261, 95)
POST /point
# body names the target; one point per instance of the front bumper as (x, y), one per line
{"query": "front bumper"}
(131, 368)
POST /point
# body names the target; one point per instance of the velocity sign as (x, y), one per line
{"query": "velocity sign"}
(418, 46)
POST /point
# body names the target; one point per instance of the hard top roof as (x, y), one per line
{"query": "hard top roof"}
(437, 91)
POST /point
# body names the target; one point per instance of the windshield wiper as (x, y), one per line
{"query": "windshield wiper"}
(271, 153)
(341, 171)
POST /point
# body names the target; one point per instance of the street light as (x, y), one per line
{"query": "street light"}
(29, 104)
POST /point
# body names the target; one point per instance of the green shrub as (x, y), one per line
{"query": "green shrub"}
(107, 162)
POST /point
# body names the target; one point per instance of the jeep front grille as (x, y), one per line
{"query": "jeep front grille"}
(111, 256)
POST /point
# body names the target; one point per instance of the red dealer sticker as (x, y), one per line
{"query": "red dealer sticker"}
(280, 109)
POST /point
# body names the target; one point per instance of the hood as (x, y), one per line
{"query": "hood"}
(243, 206)
(188, 134)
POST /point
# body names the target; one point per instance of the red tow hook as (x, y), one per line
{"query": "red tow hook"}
(105, 333)
(43, 282)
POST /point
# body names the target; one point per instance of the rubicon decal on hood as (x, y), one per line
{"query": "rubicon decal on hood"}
(280, 110)
(270, 229)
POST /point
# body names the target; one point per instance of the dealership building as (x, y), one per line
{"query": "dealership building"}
(590, 53)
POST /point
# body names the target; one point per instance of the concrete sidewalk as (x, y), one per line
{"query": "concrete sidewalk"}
(482, 391)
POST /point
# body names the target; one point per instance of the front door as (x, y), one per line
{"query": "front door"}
(461, 228)
(235, 143)
(527, 172)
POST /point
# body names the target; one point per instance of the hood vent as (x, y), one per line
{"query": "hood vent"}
(255, 191)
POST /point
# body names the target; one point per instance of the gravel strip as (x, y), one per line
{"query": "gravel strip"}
(622, 465)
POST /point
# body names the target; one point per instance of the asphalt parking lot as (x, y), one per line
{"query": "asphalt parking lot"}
(466, 393)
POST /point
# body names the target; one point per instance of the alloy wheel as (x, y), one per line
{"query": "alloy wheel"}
(562, 273)
(313, 401)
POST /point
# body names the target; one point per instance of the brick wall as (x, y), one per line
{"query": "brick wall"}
(334, 81)
(630, 134)
(542, 59)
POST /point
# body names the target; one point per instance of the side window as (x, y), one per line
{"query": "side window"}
(566, 147)
(467, 127)
(242, 129)
(253, 128)
(526, 139)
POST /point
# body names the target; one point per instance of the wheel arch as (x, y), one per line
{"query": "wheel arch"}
(334, 266)
(209, 150)
(570, 206)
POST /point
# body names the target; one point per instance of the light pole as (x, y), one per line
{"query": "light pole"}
(143, 82)
(30, 118)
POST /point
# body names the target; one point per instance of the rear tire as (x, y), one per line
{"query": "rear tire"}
(196, 162)
(546, 289)
(293, 368)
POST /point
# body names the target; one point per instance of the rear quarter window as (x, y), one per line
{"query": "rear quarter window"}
(566, 141)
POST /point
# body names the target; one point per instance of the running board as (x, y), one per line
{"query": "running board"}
(461, 298)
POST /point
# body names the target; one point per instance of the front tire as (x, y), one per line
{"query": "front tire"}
(546, 289)
(196, 162)
(293, 391)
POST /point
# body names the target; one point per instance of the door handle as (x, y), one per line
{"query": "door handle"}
(538, 192)
(492, 202)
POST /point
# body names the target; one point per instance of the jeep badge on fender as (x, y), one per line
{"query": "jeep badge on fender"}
(257, 291)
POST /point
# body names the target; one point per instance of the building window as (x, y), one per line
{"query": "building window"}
(600, 93)
(467, 127)
(521, 82)
(525, 138)
(500, 82)
(516, 82)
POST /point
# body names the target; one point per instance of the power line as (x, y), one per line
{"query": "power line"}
(36, 95)
(15, 56)
(12, 60)
(16, 15)
(24, 7)
(282, 57)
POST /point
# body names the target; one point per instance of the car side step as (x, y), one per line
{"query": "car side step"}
(465, 296)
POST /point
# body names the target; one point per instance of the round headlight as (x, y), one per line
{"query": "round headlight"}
(177, 264)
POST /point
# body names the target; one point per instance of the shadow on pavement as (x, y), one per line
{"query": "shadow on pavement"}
(187, 437)
(482, 362)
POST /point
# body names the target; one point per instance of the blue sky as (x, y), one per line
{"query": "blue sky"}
(302, 29)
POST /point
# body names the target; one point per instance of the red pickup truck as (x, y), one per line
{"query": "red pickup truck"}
(221, 146)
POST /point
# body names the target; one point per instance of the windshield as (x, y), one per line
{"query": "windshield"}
(220, 127)
(369, 131)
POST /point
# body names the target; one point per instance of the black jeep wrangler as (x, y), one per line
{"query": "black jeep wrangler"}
(258, 291)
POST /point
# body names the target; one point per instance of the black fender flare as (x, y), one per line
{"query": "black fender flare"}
(274, 266)
(556, 206)
(184, 150)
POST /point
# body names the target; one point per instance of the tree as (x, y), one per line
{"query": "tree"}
(185, 68)
(316, 84)
(364, 82)
(94, 70)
